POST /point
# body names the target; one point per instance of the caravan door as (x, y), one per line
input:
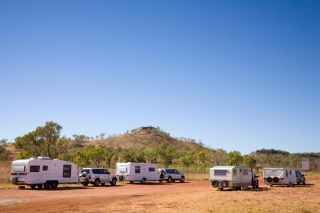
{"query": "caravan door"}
(35, 174)
(245, 176)
(236, 176)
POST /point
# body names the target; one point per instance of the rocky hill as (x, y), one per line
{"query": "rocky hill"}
(150, 137)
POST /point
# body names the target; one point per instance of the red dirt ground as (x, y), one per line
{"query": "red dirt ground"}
(195, 196)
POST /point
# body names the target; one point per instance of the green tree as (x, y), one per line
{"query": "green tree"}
(167, 154)
(234, 158)
(250, 161)
(42, 141)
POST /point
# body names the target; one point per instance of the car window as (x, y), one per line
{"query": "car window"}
(99, 171)
(170, 171)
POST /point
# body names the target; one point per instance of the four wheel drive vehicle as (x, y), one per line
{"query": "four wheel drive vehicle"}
(282, 176)
(234, 177)
(43, 172)
(97, 177)
(137, 172)
(171, 175)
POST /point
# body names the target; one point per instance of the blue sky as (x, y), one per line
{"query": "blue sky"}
(237, 75)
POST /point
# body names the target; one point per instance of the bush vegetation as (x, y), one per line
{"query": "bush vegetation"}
(146, 144)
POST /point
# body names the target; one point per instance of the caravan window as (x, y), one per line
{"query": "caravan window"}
(45, 168)
(151, 169)
(34, 168)
(245, 172)
(220, 172)
(123, 170)
(66, 171)
(137, 169)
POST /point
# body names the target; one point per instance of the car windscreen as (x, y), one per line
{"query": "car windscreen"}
(85, 171)
(220, 172)
(274, 172)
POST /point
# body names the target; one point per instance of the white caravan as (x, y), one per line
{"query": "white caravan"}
(234, 177)
(137, 172)
(280, 176)
(43, 172)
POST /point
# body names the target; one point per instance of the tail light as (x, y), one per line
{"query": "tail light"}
(12, 173)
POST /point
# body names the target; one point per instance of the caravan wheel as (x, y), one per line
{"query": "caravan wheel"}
(39, 186)
(143, 180)
(46, 186)
(54, 185)
(33, 186)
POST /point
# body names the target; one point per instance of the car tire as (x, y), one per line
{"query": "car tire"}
(33, 186)
(39, 186)
(97, 182)
(85, 183)
(169, 179)
(113, 182)
(182, 179)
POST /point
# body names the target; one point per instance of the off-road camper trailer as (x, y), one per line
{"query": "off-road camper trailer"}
(235, 177)
(282, 176)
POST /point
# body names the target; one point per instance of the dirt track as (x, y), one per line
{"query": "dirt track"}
(180, 197)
